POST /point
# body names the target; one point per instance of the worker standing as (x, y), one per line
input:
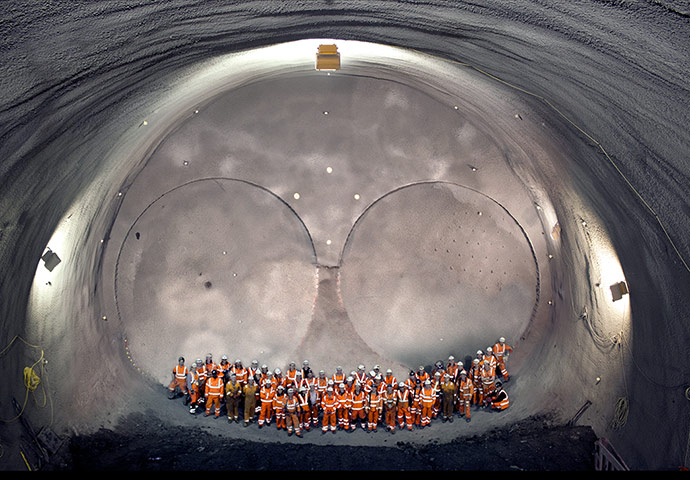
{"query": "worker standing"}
(390, 403)
(179, 379)
(266, 395)
(249, 392)
(233, 393)
(465, 394)
(213, 393)
(373, 409)
(501, 352)
(338, 377)
(279, 408)
(475, 375)
(240, 372)
(448, 397)
(358, 409)
(292, 413)
(305, 410)
(343, 407)
(193, 387)
(437, 382)
(329, 405)
(224, 368)
(488, 376)
(403, 406)
(390, 379)
(427, 398)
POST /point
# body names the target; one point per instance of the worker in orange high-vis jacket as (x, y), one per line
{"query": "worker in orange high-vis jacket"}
(279, 408)
(488, 375)
(179, 379)
(249, 392)
(305, 409)
(499, 398)
(416, 405)
(193, 387)
(465, 394)
(403, 406)
(343, 407)
(314, 398)
(358, 409)
(501, 352)
(427, 398)
(374, 405)
(390, 408)
(292, 413)
(240, 372)
(213, 393)
(475, 375)
(437, 382)
(329, 406)
(266, 394)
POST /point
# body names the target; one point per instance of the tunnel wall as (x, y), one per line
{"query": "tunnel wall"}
(76, 78)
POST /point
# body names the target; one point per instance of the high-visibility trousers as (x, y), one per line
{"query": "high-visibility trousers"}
(178, 382)
(391, 414)
(373, 418)
(265, 414)
(343, 416)
(404, 417)
(213, 400)
(328, 421)
(292, 422)
(465, 403)
(427, 412)
(501, 368)
(194, 395)
(360, 416)
(280, 418)
(487, 389)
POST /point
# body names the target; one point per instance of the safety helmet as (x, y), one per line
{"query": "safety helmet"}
(292, 364)
(479, 352)
(291, 390)
(401, 385)
(475, 361)
(377, 367)
(361, 367)
(280, 387)
(427, 382)
(372, 373)
(238, 361)
(277, 371)
(329, 389)
(350, 379)
(209, 355)
(389, 371)
(489, 350)
(224, 357)
(451, 358)
(264, 366)
(339, 368)
(501, 340)
(198, 361)
(255, 362)
(306, 362)
(214, 372)
(463, 372)
(437, 374)
(421, 367)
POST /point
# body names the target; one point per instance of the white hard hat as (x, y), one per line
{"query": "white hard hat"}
(329, 389)
(427, 382)
(255, 362)
(361, 367)
(479, 352)
(451, 357)
(224, 357)
(475, 361)
(277, 371)
(463, 372)
(238, 361)
(306, 362)
(401, 385)
(501, 339)
(489, 350)
(389, 371)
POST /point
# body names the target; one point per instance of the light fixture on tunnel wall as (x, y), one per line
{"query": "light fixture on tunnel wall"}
(618, 290)
(327, 58)
(50, 260)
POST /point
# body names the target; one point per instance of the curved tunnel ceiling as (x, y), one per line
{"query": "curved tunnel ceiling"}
(541, 118)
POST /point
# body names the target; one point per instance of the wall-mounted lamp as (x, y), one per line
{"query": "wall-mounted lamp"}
(618, 290)
(50, 260)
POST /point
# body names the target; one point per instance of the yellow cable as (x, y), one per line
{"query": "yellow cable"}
(25, 460)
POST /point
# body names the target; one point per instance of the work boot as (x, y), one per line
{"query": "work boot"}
(171, 394)
(450, 419)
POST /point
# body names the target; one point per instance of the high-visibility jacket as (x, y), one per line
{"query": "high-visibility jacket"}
(233, 390)
(329, 403)
(422, 377)
(500, 402)
(403, 397)
(361, 377)
(279, 401)
(278, 381)
(491, 358)
(374, 399)
(321, 386)
(501, 350)
(390, 400)
(290, 376)
(453, 370)
(266, 395)
(475, 373)
(210, 367)
(465, 389)
(214, 387)
(488, 374)
(427, 396)
(303, 401)
(338, 378)
(202, 373)
(390, 380)
(358, 400)
(180, 372)
(223, 368)
(292, 405)
(343, 399)
(240, 374)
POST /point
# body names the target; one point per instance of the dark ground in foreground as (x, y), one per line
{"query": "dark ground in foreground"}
(143, 443)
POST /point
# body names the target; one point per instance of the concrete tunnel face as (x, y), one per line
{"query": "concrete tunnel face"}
(400, 210)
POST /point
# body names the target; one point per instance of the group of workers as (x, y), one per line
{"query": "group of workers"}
(298, 399)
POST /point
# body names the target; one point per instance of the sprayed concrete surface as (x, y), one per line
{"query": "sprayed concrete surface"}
(491, 174)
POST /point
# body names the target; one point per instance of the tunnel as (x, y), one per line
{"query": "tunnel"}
(178, 178)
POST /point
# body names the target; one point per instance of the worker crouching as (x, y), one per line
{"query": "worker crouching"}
(499, 398)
